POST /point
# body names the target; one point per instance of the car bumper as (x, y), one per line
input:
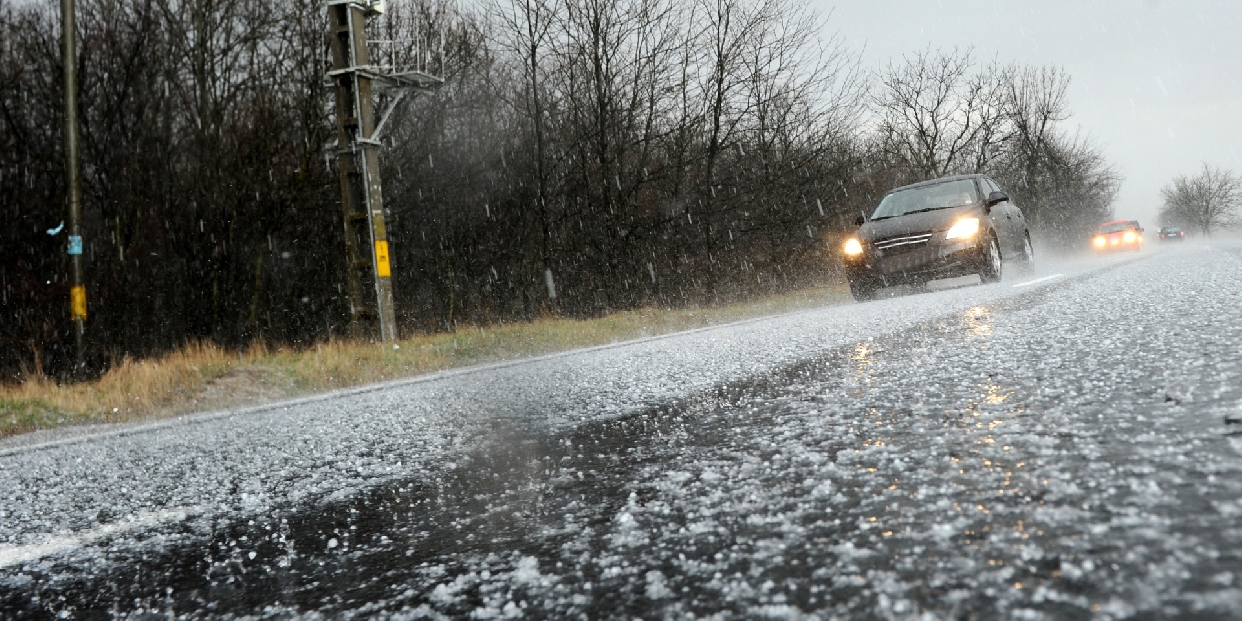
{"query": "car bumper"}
(931, 261)
(1119, 247)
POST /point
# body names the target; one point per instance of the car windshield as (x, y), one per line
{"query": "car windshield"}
(957, 193)
(1170, 229)
(1115, 227)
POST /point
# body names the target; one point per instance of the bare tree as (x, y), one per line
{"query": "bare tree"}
(528, 26)
(1070, 194)
(1034, 103)
(940, 113)
(730, 26)
(1063, 182)
(1208, 201)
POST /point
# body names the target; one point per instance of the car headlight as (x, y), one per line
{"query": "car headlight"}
(1100, 241)
(1130, 236)
(966, 227)
(853, 247)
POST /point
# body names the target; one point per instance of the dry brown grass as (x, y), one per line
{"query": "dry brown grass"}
(202, 376)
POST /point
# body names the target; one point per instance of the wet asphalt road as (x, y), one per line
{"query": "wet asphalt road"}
(1058, 446)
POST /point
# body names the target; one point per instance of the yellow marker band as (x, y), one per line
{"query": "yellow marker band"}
(77, 299)
(382, 268)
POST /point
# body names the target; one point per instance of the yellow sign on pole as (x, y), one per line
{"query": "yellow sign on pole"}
(77, 299)
(382, 268)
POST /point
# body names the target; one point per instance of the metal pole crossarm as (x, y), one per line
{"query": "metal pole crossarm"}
(407, 80)
(415, 80)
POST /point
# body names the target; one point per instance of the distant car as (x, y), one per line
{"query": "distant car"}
(1172, 233)
(1117, 236)
(943, 228)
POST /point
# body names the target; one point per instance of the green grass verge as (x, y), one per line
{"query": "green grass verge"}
(202, 377)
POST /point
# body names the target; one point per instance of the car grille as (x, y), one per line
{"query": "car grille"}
(907, 242)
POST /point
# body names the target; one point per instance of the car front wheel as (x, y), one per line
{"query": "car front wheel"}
(991, 270)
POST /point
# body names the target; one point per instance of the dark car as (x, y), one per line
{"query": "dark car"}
(1172, 233)
(954, 226)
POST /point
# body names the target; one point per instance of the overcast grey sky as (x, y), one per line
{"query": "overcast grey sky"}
(1158, 83)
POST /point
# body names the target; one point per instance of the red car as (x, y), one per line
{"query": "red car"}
(1118, 235)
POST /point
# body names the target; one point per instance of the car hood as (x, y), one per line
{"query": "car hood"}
(915, 223)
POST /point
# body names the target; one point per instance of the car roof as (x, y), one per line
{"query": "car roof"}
(1117, 222)
(935, 181)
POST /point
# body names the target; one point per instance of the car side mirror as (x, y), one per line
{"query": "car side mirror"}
(860, 220)
(997, 197)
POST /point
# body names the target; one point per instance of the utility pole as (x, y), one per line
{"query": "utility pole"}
(357, 81)
(73, 182)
